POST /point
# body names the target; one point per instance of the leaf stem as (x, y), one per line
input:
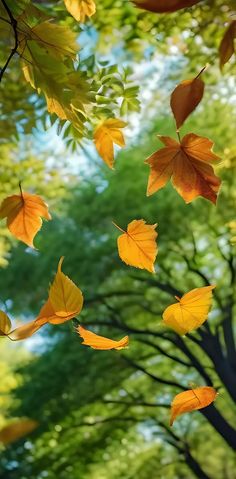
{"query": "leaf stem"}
(178, 134)
(118, 227)
(201, 71)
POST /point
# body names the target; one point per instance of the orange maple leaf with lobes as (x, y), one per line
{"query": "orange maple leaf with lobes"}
(188, 164)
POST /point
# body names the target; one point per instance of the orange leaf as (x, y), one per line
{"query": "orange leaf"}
(26, 330)
(137, 246)
(100, 342)
(5, 324)
(164, 6)
(17, 430)
(65, 300)
(227, 49)
(24, 213)
(188, 163)
(192, 400)
(191, 310)
(105, 135)
(185, 98)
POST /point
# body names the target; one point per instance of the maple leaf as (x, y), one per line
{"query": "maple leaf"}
(65, 300)
(192, 400)
(226, 48)
(191, 310)
(59, 41)
(105, 135)
(137, 246)
(188, 163)
(164, 6)
(185, 98)
(100, 342)
(16, 430)
(24, 213)
(79, 9)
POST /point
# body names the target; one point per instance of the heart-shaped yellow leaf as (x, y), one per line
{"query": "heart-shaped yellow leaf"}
(24, 213)
(191, 400)
(137, 246)
(106, 135)
(191, 310)
(100, 342)
(80, 9)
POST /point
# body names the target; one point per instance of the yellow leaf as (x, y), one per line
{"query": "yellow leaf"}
(100, 342)
(137, 246)
(17, 430)
(24, 213)
(5, 324)
(191, 310)
(26, 330)
(192, 400)
(105, 135)
(65, 300)
(59, 41)
(79, 9)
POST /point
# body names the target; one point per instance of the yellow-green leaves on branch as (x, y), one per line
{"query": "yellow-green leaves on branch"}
(185, 98)
(192, 400)
(227, 46)
(164, 6)
(80, 9)
(59, 41)
(137, 246)
(100, 342)
(24, 213)
(16, 430)
(190, 312)
(188, 164)
(105, 135)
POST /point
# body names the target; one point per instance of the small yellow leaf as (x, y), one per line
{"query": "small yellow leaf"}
(79, 9)
(16, 430)
(100, 342)
(105, 135)
(65, 300)
(24, 213)
(192, 400)
(137, 246)
(191, 310)
(5, 324)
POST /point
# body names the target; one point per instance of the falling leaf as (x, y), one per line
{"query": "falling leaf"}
(191, 310)
(26, 330)
(65, 300)
(227, 48)
(164, 6)
(185, 98)
(105, 135)
(137, 246)
(5, 324)
(192, 400)
(16, 430)
(24, 213)
(79, 9)
(99, 342)
(188, 163)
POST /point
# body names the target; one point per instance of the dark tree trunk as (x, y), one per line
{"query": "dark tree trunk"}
(220, 425)
(195, 466)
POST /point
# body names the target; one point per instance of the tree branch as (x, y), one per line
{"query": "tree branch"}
(14, 27)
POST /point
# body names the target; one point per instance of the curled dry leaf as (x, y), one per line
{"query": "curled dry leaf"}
(80, 9)
(5, 324)
(185, 98)
(188, 164)
(227, 48)
(24, 213)
(65, 300)
(164, 6)
(106, 135)
(192, 400)
(191, 310)
(137, 246)
(100, 342)
(16, 430)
